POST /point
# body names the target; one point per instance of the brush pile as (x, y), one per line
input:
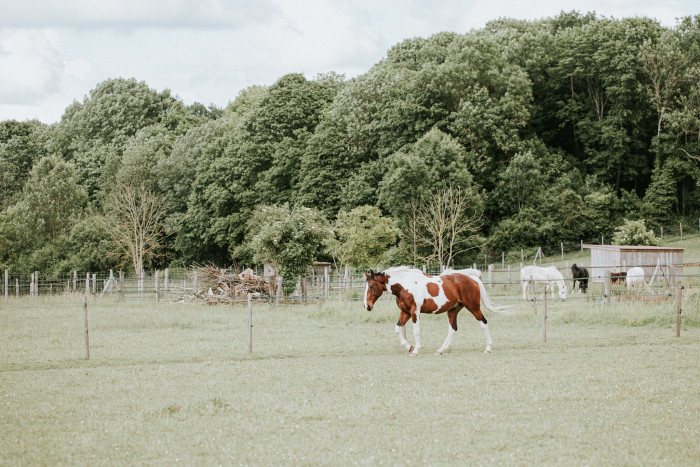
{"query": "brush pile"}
(213, 285)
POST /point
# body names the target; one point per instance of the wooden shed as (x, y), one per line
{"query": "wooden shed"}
(619, 258)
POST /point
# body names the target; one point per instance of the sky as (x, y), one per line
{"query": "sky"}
(54, 52)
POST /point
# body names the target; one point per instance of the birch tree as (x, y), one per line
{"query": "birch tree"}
(135, 224)
(447, 224)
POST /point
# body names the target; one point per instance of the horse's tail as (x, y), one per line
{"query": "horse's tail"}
(486, 300)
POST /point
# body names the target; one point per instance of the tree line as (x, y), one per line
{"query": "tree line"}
(521, 134)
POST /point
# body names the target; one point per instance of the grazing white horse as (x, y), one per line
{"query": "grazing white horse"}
(467, 272)
(547, 276)
(635, 278)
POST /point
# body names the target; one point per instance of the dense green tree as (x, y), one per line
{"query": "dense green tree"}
(288, 239)
(362, 237)
(420, 169)
(601, 62)
(50, 203)
(20, 148)
(558, 128)
(93, 133)
(52, 197)
(143, 153)
(87, 247)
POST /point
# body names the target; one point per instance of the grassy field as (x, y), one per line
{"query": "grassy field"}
(329, 384)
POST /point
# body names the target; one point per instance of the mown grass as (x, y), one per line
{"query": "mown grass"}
(329, 384)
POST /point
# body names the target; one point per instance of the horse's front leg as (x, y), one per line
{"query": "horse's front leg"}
(415, 316)
(401, 330)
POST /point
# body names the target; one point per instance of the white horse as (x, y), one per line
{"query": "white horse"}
(547, 276)
(635, 278)
(467, 272)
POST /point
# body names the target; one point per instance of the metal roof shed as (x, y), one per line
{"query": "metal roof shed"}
(619, 258)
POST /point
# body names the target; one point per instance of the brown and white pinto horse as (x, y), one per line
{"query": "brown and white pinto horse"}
(417, 292)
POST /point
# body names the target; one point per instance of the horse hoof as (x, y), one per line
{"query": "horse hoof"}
(487, 351)
(410, 350)
(413, 354)
(438, 353)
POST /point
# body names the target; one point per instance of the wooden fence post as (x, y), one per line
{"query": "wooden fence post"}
(544, 315)
(678, 309)
(250, 322)
(165, 286)
(75, 281)
(157, 274)
(606, 280)
(94, 284)
(121, 285)
(87, 336)
(17, 287)
(7, 284)
(279, 291)
(141, 280)
(36, 283)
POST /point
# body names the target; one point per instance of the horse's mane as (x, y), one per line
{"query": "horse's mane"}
(402, 271)
(398, 268)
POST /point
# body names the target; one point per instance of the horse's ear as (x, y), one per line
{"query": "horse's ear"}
(371, 272)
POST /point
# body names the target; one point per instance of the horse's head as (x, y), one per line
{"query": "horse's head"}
(374, 287)
(562, 291)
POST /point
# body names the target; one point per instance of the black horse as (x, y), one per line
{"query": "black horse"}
(580, 275)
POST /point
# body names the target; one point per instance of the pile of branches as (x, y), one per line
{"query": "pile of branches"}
(215, 285)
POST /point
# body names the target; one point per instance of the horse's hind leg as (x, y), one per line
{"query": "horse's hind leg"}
(476, 311)
(451, 330)
(489, 342)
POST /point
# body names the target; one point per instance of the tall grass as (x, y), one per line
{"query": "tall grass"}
(327, 383)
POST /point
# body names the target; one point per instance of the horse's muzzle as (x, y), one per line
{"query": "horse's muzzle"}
(368, 307)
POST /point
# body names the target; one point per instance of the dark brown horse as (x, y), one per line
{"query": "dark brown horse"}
(417, 292)
(580, 274)
(618, 277)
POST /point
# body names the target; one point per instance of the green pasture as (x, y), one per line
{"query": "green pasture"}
(328, 384)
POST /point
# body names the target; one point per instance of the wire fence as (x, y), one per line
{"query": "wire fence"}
(183, 286)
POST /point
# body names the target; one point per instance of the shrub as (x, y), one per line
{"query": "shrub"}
(634, 233)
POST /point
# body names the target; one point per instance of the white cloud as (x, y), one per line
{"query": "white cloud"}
(209, 50)
(132, 13)
(31, 66)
